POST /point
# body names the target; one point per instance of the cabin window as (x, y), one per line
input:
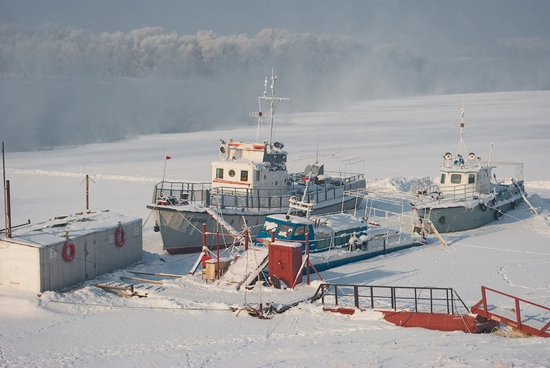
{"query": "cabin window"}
(300, 230)
(269, 227)
(456, 178)
(442, 178)
(257, 174)
(471, 178)
(219, 173)
(285, 231)
(231, 173)
(244, 175)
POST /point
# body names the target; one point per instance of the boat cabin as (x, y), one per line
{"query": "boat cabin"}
(246, 166)
(322, 232)
(467, 176)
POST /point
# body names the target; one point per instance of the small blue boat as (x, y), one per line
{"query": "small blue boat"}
(340, 238)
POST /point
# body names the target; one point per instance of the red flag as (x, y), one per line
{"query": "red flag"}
(168, 157)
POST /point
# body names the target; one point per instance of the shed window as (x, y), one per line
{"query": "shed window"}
(456, 178)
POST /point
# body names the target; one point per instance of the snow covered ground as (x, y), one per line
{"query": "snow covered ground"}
(186, 322)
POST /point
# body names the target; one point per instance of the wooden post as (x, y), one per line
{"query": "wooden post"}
(8, 213)
(87, 194)
(307, 257)
(436, 233)
(204, 235)
(218, 255)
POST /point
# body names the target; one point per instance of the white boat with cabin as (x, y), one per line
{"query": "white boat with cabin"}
(468, 193)
(249, 182)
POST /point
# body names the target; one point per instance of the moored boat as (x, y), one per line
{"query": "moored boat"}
(335, 239)
(249, 182)
(468, 193)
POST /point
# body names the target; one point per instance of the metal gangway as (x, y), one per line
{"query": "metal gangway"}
(521, 314)
(427, 299)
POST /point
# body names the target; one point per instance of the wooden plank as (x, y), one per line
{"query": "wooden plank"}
(197, 263)
(157, 274)
(436, 233)
(141, 280)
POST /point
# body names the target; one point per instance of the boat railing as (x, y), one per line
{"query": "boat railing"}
(261, 199)
(429, 192)
(463, 192)
(508, 171)
(180, 191)
(168, 192)
(417, 299)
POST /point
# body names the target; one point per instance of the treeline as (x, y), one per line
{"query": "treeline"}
(54, 51)
(111, 86)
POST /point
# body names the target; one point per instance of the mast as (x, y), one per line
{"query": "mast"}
(271, 100)
(461, 146)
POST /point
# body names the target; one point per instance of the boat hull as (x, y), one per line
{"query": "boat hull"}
(181, 229)
(460, 217)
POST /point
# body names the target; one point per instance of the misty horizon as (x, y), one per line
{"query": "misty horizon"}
(68, 85)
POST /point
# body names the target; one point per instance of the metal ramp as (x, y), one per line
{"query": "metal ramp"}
(433, 308)
(246, 268)
(219, 219)
(521, 314)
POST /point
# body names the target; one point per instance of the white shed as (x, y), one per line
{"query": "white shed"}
(69, 250)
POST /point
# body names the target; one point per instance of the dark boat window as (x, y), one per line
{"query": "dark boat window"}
(442, 178)
(231, 173)
(300, 230)
(471, 178)
(456, 178)
(219, 173)
(244, 175)
(257, 175)
(284, 231)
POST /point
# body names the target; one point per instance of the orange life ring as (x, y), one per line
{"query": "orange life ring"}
(120, 237)
(68, 255)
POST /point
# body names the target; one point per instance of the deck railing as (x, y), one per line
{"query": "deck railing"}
(417, 299)
(261, 199)
(515, 312)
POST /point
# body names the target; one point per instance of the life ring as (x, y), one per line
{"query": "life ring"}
(483, 207)
(120, 237)
(69, 251)
(498, 214)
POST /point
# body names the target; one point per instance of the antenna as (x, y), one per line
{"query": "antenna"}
(87, 179)
(317, 155)
(461, 146)
(271, 100)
